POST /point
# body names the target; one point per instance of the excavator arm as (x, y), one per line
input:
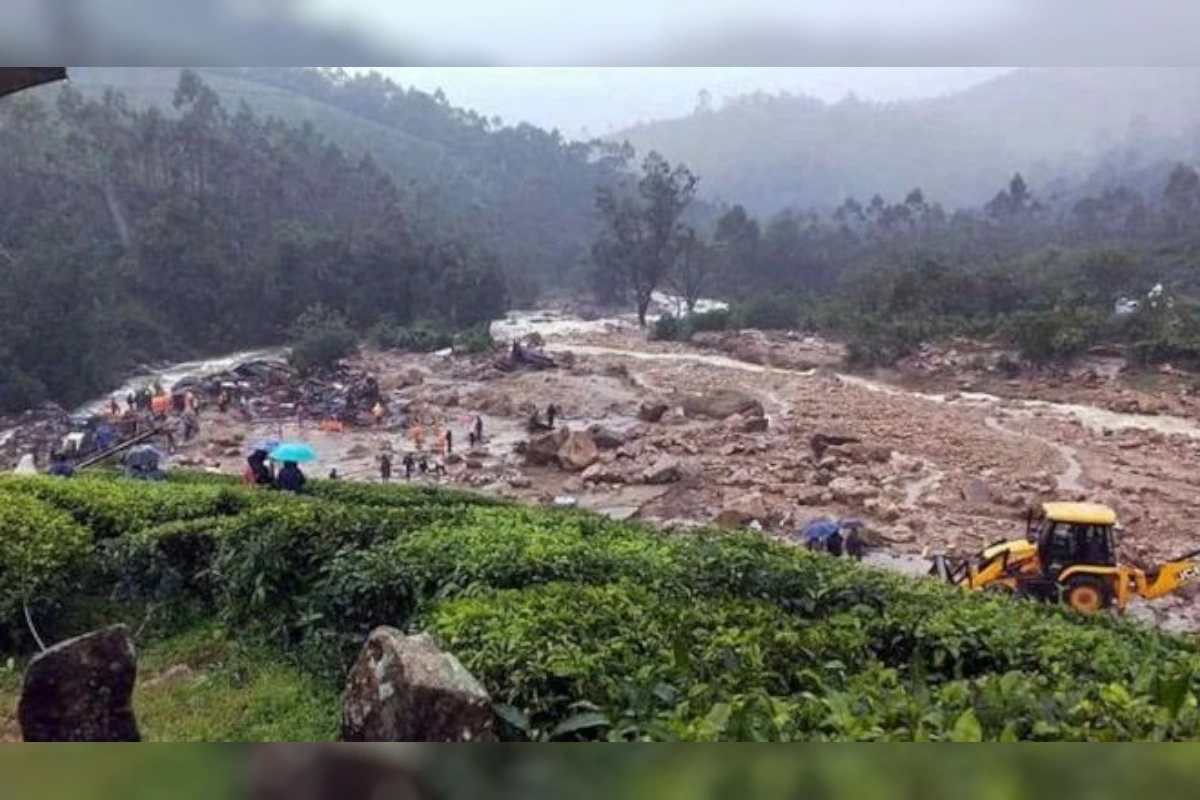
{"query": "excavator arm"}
(1172, 576)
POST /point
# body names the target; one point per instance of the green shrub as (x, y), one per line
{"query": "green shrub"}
(169, 562)
(320, 338)
(475, 340)
(422, 336)
(708, 321)
(42, 552)
(113, 507)
(1056, 335)
(768, 312)
(669, 328)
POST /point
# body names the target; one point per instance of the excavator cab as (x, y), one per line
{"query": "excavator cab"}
(1075, 534)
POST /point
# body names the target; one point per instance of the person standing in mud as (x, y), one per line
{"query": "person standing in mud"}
(410, 465)
(385, 468)
(551, 414)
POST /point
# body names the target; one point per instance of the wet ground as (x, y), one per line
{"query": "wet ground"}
(934, 471)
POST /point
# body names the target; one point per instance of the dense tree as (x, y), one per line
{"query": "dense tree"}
(132, 234)
(644, 234)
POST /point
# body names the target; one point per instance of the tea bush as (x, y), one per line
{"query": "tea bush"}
(584, 628)
(42, 552)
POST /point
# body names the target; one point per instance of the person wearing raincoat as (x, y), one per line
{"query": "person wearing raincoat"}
(290, 478)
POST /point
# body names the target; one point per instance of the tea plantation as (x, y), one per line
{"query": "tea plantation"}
(580, 627)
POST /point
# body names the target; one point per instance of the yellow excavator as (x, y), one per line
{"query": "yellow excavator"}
(1069, 555)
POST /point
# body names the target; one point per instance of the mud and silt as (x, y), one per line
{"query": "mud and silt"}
(929, 471)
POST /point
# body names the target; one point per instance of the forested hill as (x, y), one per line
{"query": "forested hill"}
(772, 152)
(526, 193)
(127, 233)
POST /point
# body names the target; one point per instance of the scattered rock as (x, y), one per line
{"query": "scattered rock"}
(977, 491)
(753, 425)
(578, 452)
(607, 438)
(743, 511)
(520, 482)
(820, 442)
(80, 691)
(664, 471)
(809, 496)
(652, 412)
(858, 453)
(405, 689)
(850, 490)
(412, 377)
(473, 463)
(898, 534)
(603, 473)
(720, 404)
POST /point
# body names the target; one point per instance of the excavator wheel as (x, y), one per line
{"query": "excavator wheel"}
(1087, 594)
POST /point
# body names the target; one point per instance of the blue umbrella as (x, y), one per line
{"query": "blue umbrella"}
(819, 531)
(294, 451)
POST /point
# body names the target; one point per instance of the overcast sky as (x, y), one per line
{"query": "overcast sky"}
(540, 32)
(604, 99)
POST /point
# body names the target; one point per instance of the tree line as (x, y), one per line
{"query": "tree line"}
(1050, 277)
(130, 234)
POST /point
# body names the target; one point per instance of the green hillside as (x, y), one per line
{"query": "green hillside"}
(527, 193)
(580, 627)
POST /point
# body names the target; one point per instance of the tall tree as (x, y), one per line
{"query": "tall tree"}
(644, 233)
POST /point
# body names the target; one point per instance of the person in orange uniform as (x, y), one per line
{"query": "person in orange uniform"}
(159, 404)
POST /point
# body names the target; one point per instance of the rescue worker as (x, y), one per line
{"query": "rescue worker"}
(551, 414)
(385, 467)
(290, 478)
(257, 473)
(60, 466)
(409, 465)
(378, 412)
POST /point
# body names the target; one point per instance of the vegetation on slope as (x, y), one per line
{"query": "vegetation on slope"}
(584, 628)
(129, 235)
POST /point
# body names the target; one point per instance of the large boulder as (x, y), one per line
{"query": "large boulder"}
(542, 451)
(720, 404)
(662, 472)
(406, 689)
(80, 691)
(852, 491)
(652, 412)
(743, 510)
(578, 452)
(604, 473)
(607, 438)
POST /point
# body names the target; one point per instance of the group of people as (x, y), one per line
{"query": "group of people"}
(412, 464)
(260, 472)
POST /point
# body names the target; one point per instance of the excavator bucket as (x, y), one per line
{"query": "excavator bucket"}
(18, 79)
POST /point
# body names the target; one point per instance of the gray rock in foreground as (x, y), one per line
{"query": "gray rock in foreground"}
(81, 691)
(405, 689)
